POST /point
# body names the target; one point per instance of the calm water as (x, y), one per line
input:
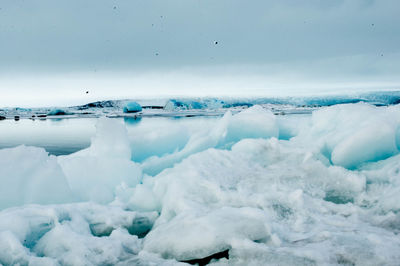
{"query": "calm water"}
(57, 136)
(65, 136)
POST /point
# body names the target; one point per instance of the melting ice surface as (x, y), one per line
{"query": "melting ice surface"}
(317, 189)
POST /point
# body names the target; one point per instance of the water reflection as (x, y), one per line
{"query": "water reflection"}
(132, 120)
(57, 136)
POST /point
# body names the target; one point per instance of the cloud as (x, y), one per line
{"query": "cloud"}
(231, 47)
(163, 34)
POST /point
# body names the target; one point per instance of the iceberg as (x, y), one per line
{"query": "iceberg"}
(132, 107)
(58, 112)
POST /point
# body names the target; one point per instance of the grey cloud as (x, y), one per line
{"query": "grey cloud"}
(131, 48)
(155, 34)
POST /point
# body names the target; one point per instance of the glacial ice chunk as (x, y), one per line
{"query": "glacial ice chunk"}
(58, 111)
(295, 195)
(30, 175)
(353, 134)
(148, 140)
(132, 107)
(254, 122)
(94, 173)
(371, 143)
(63, 234)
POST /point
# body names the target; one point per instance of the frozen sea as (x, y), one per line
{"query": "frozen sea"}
(311, 181)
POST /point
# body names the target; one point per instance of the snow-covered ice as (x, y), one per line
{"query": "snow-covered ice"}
(318, 189)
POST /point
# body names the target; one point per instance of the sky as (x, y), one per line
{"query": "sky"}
(53, 51)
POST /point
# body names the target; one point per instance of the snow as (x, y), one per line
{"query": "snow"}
(320, 189)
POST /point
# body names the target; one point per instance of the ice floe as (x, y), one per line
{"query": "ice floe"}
(249, 188)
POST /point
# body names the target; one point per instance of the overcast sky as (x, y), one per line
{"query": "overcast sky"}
(52, 51)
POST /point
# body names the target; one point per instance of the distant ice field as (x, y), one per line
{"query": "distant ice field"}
(259, 184)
